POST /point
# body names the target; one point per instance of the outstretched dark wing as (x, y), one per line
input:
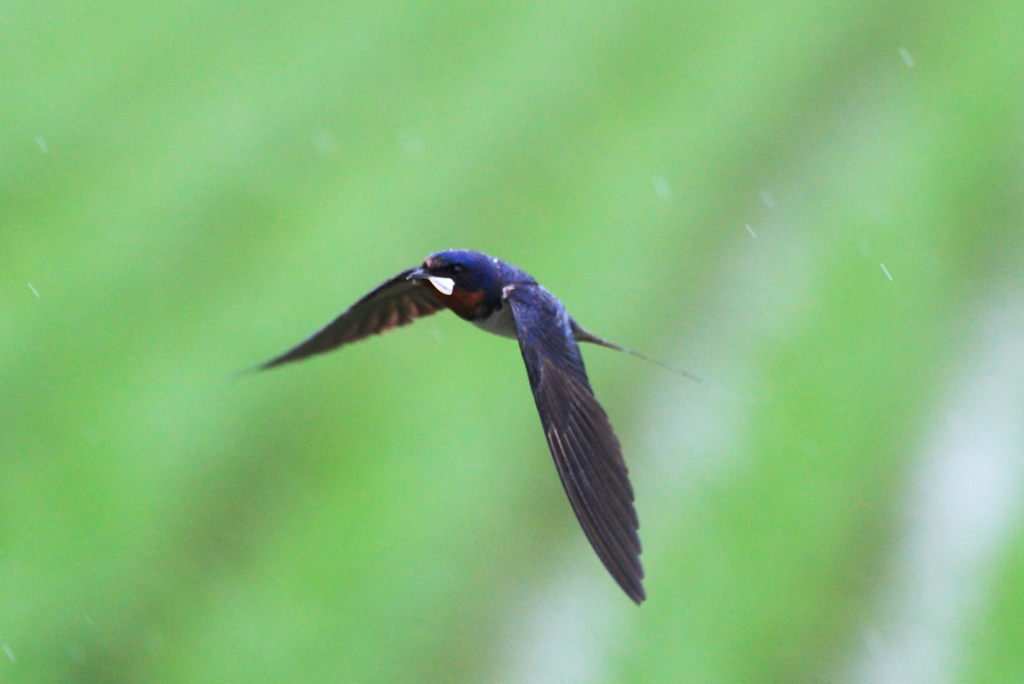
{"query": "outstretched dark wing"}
(397, 302)
(585, 449)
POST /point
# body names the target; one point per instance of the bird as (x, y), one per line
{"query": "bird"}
(504, 300)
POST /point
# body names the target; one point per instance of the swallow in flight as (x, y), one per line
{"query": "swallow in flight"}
(502, 299)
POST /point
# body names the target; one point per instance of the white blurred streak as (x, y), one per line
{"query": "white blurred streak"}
(886, 271)
(907, 59)
(964, 502)
(563, 634)
(696, 437)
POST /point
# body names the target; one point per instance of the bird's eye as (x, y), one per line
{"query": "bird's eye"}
(456, 269)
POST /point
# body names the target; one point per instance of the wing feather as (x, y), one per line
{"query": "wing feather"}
(392, 304)
(585, 449)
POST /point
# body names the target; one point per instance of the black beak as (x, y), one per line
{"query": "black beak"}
(417, 274)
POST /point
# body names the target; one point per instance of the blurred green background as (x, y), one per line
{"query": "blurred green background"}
(816, 206)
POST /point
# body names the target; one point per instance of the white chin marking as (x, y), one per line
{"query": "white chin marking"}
(443, 285)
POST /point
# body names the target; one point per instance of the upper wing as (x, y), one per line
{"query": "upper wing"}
(397, 302)
(585, 449)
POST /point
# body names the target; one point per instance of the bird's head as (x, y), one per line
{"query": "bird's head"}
(468, 283)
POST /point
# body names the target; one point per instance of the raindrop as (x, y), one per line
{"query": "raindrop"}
(662, 187)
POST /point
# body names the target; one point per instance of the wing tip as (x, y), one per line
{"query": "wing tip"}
(279, 360)
(272, 363)
(630, 579)
(637, 594)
